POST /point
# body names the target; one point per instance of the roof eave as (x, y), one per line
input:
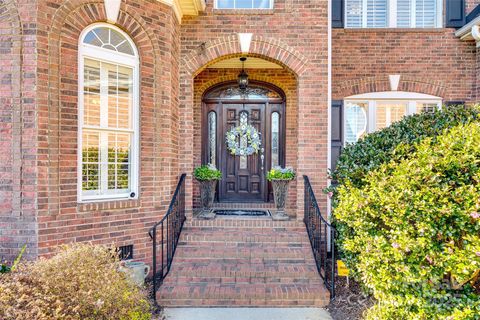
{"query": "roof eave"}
(465, 32)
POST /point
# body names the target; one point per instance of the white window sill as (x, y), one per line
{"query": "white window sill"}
(397, 30)
(244, 11)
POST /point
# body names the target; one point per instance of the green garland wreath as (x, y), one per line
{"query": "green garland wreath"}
(254, 141)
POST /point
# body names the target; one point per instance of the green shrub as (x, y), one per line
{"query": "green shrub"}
(207, 172)
(416, 222)
(393, 143)
(279, 173)
(357, 159)
(80, 282)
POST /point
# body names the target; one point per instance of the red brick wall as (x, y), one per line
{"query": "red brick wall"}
(38, 115)
(154, 29)
(429, 61)
(279, 36)
(17, 129)
(283, 79)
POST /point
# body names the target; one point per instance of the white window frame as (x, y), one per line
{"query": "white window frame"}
(215, 6)
(371, 99)
(392, 15)
(122, 59)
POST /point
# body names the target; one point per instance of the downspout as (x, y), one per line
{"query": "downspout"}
(329, 101)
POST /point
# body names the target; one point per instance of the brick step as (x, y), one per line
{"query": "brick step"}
(286, 229)
(228, 261)
(215, 269)
(280, 279)
(239, 223)
(213, 294)
(233, 252)
(243, 262)
(281, 243)
(243, 302)
(243, 237)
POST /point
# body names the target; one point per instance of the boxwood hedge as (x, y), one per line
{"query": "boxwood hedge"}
(411, 219)
(393, 143)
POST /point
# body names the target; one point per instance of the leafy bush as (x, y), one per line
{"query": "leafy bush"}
(279, 173)
(416, 222)
(356, 160)
(207, 172)
(80, 282)
(394, 143)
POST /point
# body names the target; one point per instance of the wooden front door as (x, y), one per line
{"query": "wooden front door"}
(225, 107)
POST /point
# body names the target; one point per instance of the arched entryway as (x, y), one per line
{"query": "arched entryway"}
(224, 107)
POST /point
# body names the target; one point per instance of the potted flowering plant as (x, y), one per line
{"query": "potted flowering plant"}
(207, 176)
(280, 179)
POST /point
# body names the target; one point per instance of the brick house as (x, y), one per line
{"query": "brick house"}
(104, 103)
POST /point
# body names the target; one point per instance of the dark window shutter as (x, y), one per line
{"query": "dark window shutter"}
(455, 13)
(336, 133)
(337, 13)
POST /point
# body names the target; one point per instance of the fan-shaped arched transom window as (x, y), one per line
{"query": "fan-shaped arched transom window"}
(108, 114)
(251, 93)
(108, 38)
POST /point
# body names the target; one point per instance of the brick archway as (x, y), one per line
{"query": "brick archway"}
(281, 78)
(57, 122)
(382, 83)
(195, 61)
(68, 22)
(272, 50)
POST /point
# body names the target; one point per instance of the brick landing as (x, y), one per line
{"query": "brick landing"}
(243, 262)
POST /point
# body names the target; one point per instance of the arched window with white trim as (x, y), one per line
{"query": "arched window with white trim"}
(108, 113)
(369, 112)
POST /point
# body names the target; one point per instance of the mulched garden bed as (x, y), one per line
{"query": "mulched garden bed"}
(350, 302)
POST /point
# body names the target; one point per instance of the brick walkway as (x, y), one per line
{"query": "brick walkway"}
(243, 262)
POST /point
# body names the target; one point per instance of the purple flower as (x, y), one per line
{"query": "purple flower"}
(330, 194)
(395, 245)
(477, 253)
(475, 215)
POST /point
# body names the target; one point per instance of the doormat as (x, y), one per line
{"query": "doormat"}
(242, 213)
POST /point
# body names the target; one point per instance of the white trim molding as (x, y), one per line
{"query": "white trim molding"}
(393, 95)
(470, 31)
(245, 39)
(394, 81)
(185, 7)
(112, 9)
(235, 7)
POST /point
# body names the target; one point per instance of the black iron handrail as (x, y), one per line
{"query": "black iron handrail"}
(169, 228)
(322, 238)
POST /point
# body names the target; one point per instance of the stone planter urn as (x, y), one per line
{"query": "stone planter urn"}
(136, 271)
(208, 176)
(280, 193)
(207, 195)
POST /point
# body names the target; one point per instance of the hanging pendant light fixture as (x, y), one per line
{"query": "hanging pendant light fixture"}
(243, 76)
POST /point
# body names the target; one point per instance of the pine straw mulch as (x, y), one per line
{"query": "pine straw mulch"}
(350, 302)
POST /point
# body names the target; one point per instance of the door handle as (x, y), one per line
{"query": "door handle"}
(262, 157)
